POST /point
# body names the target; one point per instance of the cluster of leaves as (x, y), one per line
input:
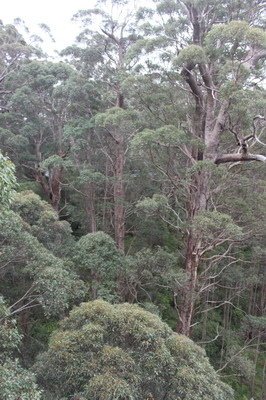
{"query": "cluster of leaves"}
(121, 351)
(7, 181)
(64, 129)
(49, 278)
(15, 381)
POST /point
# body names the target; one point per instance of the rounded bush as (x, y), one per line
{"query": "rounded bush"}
(122, 352)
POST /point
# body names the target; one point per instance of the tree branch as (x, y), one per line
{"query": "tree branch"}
(236, 157)
(191, 81)
(110, 35)
(253, 57)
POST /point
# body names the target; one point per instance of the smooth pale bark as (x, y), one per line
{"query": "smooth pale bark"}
(239, 157)
(208, 122)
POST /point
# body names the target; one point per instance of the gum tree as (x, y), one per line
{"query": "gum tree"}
(13, 52)
(15, 381)
(105, 56)
(7, 181)
(123, 352)
(213, 56)
(40, 109)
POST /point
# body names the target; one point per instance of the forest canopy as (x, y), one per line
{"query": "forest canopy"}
(132, 205)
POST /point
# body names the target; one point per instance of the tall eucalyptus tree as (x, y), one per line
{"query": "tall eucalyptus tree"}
(213, 55)
(105, 58)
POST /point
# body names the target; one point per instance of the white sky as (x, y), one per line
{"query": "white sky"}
(54, 13)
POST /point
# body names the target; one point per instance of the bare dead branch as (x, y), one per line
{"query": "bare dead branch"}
(23, 297)
(237, 353)
(239, 157)
(212, 340)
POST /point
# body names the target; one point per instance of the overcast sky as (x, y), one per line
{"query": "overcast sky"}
(55, 13)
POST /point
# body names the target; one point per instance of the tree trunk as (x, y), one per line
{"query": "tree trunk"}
(263, 386)
(119, 197)
(51, 185)
(55, 179)
(205, 318)
(90, 207)
(257, 353)
(119, 188)
(51, 180)
(207, 127)
(197, 203)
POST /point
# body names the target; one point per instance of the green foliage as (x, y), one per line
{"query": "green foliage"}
(15, 382)
(52, 162)
(58, 287)
(88, 175)
(32, 209)
(98, 263)
(13, 48)
(167, 6)
(241, 364)
(167, 135)
(253, 323)
(59, 125)
(192, 54)
(151, 267)
(7, 181)
(41, 330)
(150, 278)
(114, 117)
(124, 352)
(45, 225)
(152, 205)
(9, 336)
(233, 39)
(54, 285)
(216, 226)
